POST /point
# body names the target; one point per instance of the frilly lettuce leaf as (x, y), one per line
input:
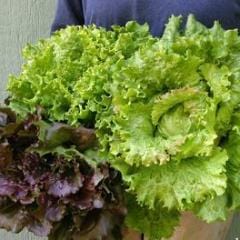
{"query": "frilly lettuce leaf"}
(218, 81)
(178, 185)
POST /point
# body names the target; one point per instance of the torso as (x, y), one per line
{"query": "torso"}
(156, 12)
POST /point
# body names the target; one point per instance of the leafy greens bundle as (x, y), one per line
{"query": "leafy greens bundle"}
(49, 185)
(165, 111)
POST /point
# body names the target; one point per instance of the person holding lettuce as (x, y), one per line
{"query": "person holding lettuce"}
(105, 13)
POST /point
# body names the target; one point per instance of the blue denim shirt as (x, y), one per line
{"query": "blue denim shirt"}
(155, 12)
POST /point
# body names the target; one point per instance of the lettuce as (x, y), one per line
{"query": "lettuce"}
(165, 112)
(51, 193)
(173, 122)
(68, 74)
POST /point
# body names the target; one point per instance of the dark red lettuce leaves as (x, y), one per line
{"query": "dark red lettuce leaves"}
(49, 194)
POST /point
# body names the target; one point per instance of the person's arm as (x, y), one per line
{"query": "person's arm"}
(69, 12)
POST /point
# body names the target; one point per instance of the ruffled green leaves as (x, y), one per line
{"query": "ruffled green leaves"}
(165, 111)
(178, 185)
(172, 114)
(70, 73)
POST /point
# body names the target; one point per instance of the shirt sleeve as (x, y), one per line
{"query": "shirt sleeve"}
(69, 12)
